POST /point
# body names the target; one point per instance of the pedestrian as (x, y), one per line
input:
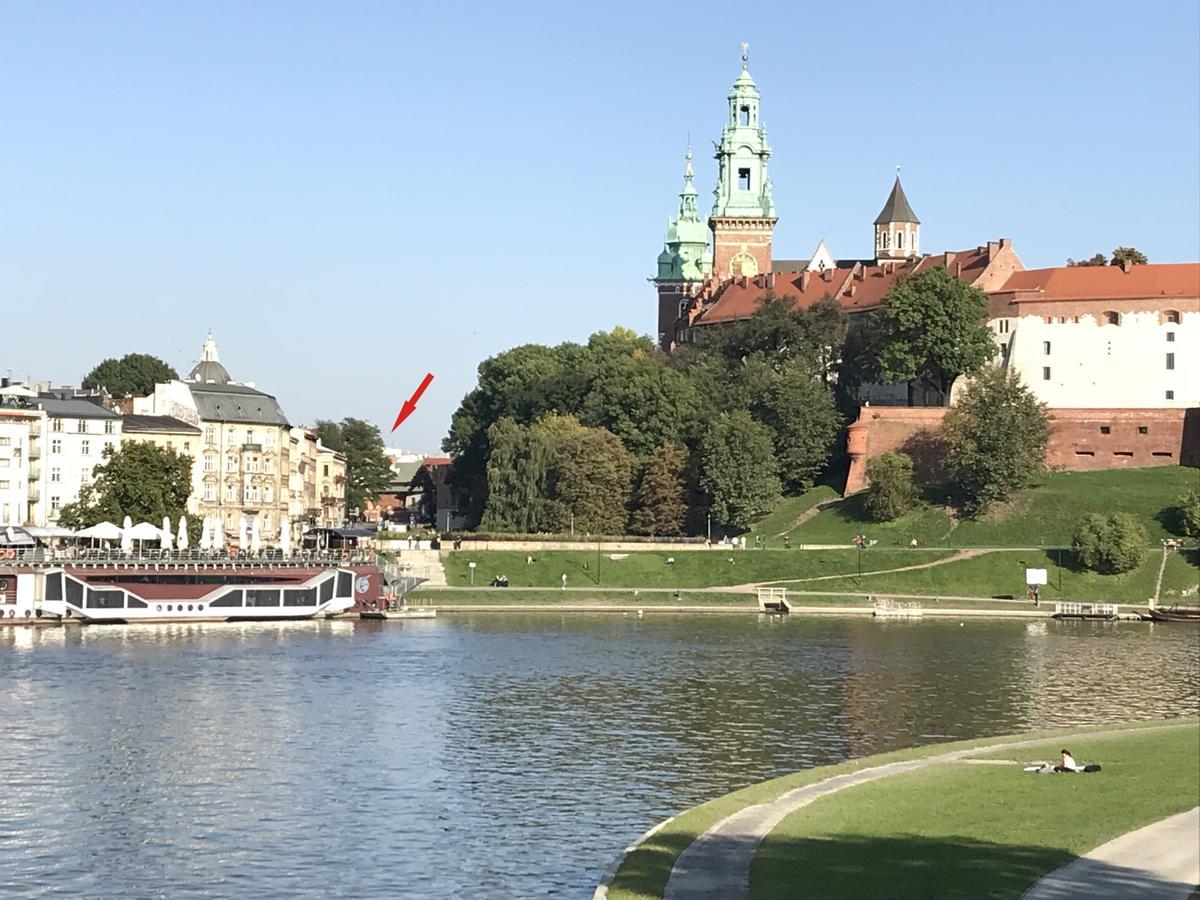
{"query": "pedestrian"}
(564, 581)
(787, 542)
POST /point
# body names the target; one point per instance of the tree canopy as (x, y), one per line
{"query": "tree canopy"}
(932, 329)
(739, 473)
(140, 480)
(368, 470)
(133, 373)
(1119, 256)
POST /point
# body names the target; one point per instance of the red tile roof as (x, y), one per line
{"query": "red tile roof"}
(1108, 282)
(434, 461)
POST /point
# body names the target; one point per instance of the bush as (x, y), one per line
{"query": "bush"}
(1110, 544)
(1187, 514)
(891, 493)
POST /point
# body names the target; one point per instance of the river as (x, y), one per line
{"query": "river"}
(487, 755)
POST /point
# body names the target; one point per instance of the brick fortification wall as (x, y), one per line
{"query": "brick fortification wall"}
(1080, 439)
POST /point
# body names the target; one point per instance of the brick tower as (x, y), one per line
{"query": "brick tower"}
(685, 261)
(743, 215)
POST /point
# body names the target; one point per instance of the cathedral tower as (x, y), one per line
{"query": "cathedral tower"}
(743, 215)
(685, 261)
(897, 228)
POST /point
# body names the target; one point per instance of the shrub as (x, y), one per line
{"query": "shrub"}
(891, 493)
(1187, 514)
(1110, 544)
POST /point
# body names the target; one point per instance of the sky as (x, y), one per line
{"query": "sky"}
(351, 195)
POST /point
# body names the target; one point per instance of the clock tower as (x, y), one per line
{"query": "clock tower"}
(743, 214)
(685, 262)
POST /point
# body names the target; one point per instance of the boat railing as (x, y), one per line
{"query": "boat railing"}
(154, 558)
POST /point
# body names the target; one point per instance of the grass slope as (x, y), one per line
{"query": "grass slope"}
(1045, 515)
(643, 873)
(959, 830)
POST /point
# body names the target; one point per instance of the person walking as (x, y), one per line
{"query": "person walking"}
(564, 581)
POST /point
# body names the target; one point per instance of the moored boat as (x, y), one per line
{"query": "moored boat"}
(1175, 614)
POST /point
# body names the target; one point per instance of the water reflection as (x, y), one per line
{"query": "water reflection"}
(486, 755)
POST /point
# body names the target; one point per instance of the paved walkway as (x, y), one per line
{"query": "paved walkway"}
(958, 556)
(1161, 860)
(716, 865)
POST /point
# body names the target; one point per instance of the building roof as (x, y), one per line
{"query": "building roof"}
(236, 403)
(209, 370)
(896, 209)
(73, 409)
(1108, 282)
(431, 462)
(132, 423)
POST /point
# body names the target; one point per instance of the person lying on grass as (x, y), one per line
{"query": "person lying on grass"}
(1066, 764)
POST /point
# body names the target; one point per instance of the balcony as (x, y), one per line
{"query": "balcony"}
(35, 473)
(252, 448)
(35, 452)
(35, 494)
(35, 429)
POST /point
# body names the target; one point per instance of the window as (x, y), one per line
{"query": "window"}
(1170, 337)
(210, 492)
(268, 494)
(1085, 452)
(269, 465)
(900, 239)
(1045, 373)
(55, 503)
(1110, 318)
(85, 475)
(1046, 347)
(231, 492)
(1170, 360)
(1122, 453)
(1171, 317)
(56, 425)
(85, 448)
(5, 442)
(743, 179)
(1142, 429)
(326, 470)
(1170, 395)
(252, 493)
(108, 427)
(230, 464)
(81, 426)
(55, 474)
(1104, 429)
(4, 486)
(252, 464)
(187, 446)
(210, 434)
(744, 115)
(5, 463)
(270, 439)
(250, 436)
(210, 463)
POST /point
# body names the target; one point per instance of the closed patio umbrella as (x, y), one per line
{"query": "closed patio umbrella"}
(181, 539)
(206, 533)
(285, 536)
(256, 536)
(218, 533)
(167, 535)
(243, 533)
(127, 536)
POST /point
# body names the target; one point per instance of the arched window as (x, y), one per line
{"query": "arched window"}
(745, 115)
(900, 240)
(887, 239)
(1171, 317)
(1110, 318)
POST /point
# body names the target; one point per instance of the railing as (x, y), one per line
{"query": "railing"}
(1086, 610)
(888, 608)
(179, 558)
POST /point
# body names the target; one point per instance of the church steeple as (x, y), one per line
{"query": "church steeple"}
(897, 228)
(685, 260)
(743, 213)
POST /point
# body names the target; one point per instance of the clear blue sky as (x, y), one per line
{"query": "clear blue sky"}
(353, 194)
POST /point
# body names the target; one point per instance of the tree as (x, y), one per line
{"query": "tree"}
(133, 373)
(799, 408)
(590, 476)
(1130, 255)
(518, 474)
(931, 328)
(1110, 544)
(738, 471)
(640, 400)
(891, 493)
(1098, 259)
(140, 480)
(659, 507)
(1187, 514)
(368, 470)
(996, 438)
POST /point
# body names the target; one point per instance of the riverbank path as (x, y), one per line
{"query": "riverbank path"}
(716, 865)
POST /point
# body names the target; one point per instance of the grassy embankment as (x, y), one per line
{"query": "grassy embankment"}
(643, 874)
(956, 829)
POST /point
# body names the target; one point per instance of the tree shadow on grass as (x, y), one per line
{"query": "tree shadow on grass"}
(866, 867)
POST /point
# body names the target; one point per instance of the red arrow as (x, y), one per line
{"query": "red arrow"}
(406, 409)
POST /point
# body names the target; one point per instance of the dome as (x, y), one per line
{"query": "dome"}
(209, 370)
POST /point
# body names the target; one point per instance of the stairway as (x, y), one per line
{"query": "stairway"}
(425, 564)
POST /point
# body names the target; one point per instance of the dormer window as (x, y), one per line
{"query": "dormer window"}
(1171, 317)
(744, 115)
(1110, 318)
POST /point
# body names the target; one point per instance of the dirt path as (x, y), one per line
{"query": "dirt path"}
(1162, 567)
(958, 556)
(808, 514)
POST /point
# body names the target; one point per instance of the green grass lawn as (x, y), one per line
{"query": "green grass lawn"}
(643, 873)
(1003, 572)
(788, 510)
(1042, 516)
(649, 569)
(958, 829)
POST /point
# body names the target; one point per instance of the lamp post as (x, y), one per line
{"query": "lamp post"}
(709, 531)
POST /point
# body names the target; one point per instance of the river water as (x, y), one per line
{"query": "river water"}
(486, 755)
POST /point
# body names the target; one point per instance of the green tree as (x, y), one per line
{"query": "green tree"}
(799, 408)
(133, 373)
(640, 400)
(779, 329)
(1187, 514)
(931, 329)
(140, 480)
(738, 471)
(996, 438)
(518, 476)
(1132, 255)
(590, 476)
(1110, 544)
(1098, 259)
(368, 470)
(891, 493)
(659, 507)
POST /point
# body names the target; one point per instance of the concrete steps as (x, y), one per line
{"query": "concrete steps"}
(425, 564)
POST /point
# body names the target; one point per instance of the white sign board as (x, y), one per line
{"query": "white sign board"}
(471, 565)
(1035, 576)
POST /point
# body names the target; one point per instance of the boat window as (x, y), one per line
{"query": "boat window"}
(133, 602)
(345, 584)
(300, 597)
(74, 592)
(262, 597)
(326, 590)
(233, 598)
(105, 599)
(54, 587)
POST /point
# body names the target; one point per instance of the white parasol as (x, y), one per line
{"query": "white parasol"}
(285, 536)
(206, 533)
(256, 536)
(181, 539)
(166, 535)
(218, 540)
(243, 533)
(127, 536)
(104, 531)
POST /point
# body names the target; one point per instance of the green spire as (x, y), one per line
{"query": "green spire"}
(743, 188)
(686, 256)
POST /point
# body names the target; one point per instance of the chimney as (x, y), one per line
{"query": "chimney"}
(803, 282)
(853, 287)
(950, 256)
(993, 247)
(1126, 265)
(1005, 243)
(771, 280)
(827, 275)
(958, 270)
